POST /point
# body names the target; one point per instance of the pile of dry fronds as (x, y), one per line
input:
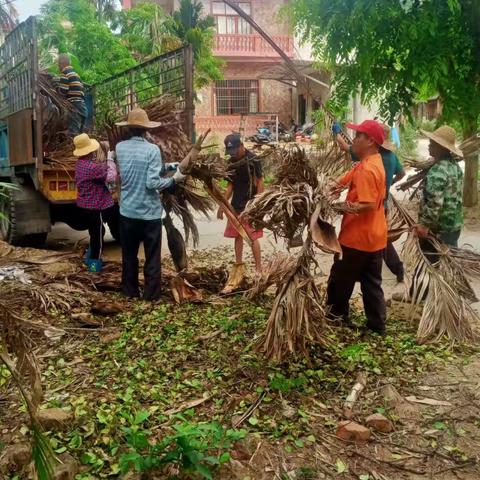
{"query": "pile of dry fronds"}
(297, 319)
(299, 190)
(438, 278)
(56, 110)
(170, 136)
(300, 196)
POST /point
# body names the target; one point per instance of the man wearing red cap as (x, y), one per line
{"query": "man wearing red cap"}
(363, 235)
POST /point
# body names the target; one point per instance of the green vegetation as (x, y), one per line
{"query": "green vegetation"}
(402, 52)
(103, 42)
(160, 394)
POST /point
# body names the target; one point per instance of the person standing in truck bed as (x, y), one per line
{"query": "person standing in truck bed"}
(70, 85)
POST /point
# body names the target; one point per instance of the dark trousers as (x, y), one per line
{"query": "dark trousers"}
(431, 254)
(132, 233)
(96, 231)
(78, 118)
(366, 268)
(393, 262)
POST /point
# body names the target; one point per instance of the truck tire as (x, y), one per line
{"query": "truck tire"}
(9, 220)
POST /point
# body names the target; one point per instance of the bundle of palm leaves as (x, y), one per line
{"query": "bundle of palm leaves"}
(440, 282)
(56, 110)
(300, 196)
(298, 315)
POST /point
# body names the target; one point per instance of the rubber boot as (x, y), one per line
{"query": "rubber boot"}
(94, 266)
(86, 257)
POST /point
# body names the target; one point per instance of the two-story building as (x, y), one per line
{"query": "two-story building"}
(248, 87)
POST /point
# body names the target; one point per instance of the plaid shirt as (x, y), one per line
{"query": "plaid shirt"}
(93, 194)
(140, 168)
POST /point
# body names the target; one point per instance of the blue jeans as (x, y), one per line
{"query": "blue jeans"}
(78, 117)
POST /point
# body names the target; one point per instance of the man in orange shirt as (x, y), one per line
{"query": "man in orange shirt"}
(363, 235)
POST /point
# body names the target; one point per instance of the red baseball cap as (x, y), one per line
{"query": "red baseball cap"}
(371, 128)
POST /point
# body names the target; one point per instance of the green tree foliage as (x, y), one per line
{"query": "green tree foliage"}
(399, 51)
(191, 26)
(72, 26)
(105, 9)
(145, 30)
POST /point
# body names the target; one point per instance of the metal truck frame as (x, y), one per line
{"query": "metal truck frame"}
(42, 194)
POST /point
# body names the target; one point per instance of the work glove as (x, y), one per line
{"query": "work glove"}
(111, 155)
(171, 167)
(179, 177)
(336, 128)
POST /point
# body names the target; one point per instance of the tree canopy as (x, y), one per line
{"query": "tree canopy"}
(399, 51)
(102, 41)
(73, 27)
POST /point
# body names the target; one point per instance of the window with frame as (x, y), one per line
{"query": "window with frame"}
(227, 20)
(234, 97)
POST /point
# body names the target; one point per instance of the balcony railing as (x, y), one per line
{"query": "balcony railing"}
(238, 45)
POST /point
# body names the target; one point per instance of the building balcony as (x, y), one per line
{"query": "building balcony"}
(239, 45)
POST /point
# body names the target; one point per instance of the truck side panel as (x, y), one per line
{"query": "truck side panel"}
(18, 93)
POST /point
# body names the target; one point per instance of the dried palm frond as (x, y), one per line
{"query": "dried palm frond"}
(274, 272)
(282, 209)
(16, 335)
(56, 110)
(446, 310)
(439, 280)
(298, 315)
(293, 166)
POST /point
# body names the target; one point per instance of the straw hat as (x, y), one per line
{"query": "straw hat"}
(444, 136)
(388, 144)
(84, 145)
(138, 118)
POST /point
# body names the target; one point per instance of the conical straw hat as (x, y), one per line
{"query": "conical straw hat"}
(444, 136)
(138, 118)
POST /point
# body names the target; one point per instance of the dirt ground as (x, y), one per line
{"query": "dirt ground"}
(198, 364)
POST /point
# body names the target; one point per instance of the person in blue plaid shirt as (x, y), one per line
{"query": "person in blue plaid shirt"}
(140, 167)
(93, 197)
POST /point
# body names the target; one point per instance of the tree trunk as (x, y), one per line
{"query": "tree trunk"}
(470, 189)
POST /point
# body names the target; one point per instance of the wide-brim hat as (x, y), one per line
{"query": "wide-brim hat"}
(138, 118)
(445, 136)
(84, 145)
(388, 144)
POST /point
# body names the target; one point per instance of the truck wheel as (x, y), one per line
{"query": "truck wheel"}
(8, 225)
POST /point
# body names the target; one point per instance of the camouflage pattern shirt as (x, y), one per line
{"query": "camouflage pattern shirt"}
(441, 208)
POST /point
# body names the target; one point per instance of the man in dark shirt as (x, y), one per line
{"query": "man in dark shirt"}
(245, 181)
(70, 85)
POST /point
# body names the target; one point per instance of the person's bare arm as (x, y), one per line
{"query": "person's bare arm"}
(228, 194)
(342, 143)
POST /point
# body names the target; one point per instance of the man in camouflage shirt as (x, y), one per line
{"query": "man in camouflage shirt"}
(441, 208)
